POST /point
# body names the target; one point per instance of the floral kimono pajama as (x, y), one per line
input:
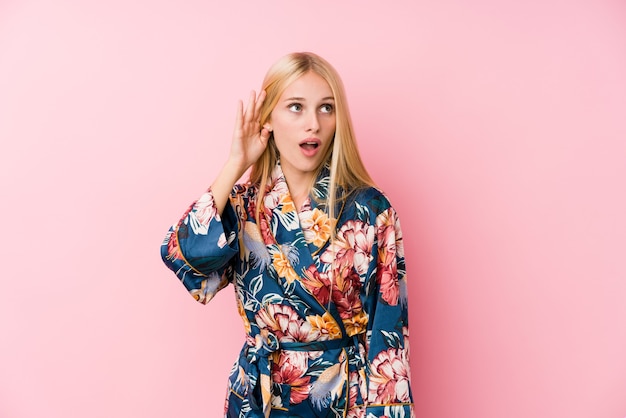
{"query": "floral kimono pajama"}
(325, 320)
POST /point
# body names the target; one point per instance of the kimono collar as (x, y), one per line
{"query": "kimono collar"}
(291, 232)
(318, 193)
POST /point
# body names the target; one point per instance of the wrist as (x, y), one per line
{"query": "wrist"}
(235, 168)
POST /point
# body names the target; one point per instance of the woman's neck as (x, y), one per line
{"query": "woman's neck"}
(299, 185)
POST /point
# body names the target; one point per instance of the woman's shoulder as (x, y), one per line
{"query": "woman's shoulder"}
(371, 197)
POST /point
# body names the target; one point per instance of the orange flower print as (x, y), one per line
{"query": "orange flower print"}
(283, 267)
(356, 324)
(287, 204)
(317, 226)
(244, 318)
(325, 325)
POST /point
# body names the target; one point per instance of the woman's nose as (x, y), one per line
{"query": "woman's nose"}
(313, 123)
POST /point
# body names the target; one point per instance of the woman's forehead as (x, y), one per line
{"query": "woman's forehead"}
(309, 86)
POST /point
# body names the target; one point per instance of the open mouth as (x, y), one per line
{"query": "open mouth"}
(312, 145)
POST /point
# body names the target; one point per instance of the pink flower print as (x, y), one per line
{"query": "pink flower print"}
(356, 412)
(274, 196)
(389, 231)
(352, 246)
(354, 388)
(387, 277)
(405, 335)
(285, 323)
(268, 238)
(386, 234)
(317, 283)
(399, 240)
(386, 219)
(346, 293)
(221, 240)
(202, 213)
(173, 252)
(389, 378)
(290, 369)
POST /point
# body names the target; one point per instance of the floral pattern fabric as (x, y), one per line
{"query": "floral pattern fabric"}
(325, 317)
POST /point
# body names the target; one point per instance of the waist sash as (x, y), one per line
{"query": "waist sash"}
(259, 357)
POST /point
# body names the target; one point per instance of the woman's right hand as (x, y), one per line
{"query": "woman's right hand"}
(249, 138)
(249, 142)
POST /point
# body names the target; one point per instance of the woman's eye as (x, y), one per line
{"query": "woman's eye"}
(326, 108)
(295, 107)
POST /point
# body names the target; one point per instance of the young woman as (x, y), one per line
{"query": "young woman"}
(313, 250)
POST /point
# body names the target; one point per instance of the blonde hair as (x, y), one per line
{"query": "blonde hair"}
(346, 167)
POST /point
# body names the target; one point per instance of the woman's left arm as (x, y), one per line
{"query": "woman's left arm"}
(389, 389)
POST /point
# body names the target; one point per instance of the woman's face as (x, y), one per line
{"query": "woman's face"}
(303, 124)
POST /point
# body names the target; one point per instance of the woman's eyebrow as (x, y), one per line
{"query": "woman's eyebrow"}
(302, 99)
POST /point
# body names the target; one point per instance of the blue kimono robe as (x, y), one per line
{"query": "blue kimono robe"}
(325, 320)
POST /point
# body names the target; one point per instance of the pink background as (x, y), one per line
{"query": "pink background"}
(497, 128)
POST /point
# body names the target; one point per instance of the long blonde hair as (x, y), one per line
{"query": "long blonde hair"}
(346, 167)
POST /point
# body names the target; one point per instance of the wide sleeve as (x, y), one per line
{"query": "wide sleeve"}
(388, 372)
(200, 247)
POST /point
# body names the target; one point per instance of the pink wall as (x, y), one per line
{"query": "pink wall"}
(497, 128)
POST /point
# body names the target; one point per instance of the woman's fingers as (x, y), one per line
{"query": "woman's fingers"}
(250, 107)
(253, 108)
(239, 115)
(259, 102)
(247, 120)
(249, 138)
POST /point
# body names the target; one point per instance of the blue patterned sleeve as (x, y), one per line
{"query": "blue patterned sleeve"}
(200, 247)
(388, 377)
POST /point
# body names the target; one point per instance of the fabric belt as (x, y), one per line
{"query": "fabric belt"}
(259, 358)
(318, 345)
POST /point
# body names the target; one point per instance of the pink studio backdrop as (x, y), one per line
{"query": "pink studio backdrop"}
(497, 128)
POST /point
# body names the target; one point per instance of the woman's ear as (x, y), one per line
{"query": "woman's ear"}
(268, 126)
